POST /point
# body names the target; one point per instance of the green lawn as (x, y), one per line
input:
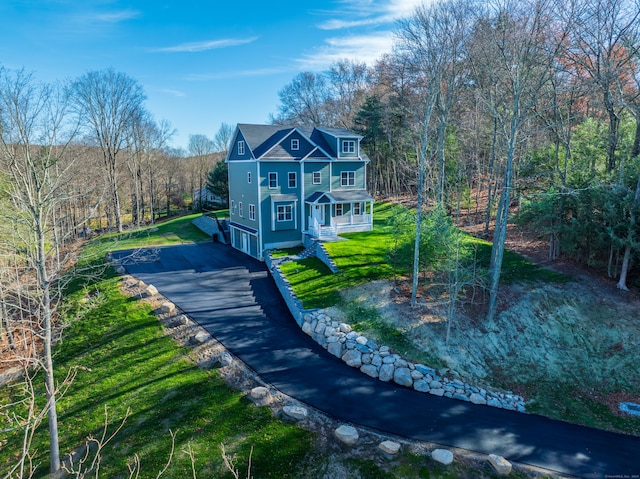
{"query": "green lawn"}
(127, 362)
(173, 231)
(366, 257)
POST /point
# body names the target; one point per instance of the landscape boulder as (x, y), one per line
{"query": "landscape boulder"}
(500, 464)
(151, 290)
(347, 434)
(389, 447)
(402, 376)
(353, 358)
(443, 456)
(296, 412)
(167, 307)
(370, 370)
(200, 337)
(259, 392)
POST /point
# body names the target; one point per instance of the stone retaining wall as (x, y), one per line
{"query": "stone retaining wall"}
(292, 301)
(379, 361)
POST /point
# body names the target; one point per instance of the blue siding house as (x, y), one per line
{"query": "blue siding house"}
(290, 182)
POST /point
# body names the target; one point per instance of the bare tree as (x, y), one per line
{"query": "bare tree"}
(420, 43)
(304, 101)
(222, 138)
(37, 161)
(518, 41)
(348, 83)
(201, 149)
(109, 102)
(600, 33)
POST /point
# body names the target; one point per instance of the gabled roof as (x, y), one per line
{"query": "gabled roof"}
(267, 139)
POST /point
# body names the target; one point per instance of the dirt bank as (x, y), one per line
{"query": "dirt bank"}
(570, 333)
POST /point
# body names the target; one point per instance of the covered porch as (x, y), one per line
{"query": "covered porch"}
(336, 212)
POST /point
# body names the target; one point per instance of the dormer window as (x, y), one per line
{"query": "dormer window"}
(295, 144)
(241, 147)
(348, 146)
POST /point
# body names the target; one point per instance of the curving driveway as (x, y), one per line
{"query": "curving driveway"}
(234, 297)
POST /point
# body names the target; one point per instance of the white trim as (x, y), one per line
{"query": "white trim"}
(295, 179)
(297, 144)
(248, 177)
(342, 184)
(341, 146)
(260, 242)
(252, 212)
(240, 149)
(269, 180)
(313, 177)
(302, 203)
(284, 207)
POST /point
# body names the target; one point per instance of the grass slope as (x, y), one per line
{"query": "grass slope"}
(367, 257)
(127, 365)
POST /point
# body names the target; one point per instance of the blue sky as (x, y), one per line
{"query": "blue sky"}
(201, 63)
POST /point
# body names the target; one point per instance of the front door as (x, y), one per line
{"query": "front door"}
(318, 214)
(245, 242)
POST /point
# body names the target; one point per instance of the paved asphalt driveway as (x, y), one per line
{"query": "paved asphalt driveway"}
(235, 299)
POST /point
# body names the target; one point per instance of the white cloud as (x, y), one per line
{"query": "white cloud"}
(115, 17)
(373, 20)
(207, 45)
(224, 75)
(358, 13)
(361, 48)
(169, 91)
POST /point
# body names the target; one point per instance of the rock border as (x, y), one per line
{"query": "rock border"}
(381, 362)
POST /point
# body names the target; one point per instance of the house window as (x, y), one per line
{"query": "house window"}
(357, 208)
(233, 207)
(285, 213)
(241, 147)
(348, 178)
(273, 180)
(248, 177)
(240, 211)
(348, 146)
(316, 177)
(339, 209)
(252, 212)
(292, 180)
(295, 144)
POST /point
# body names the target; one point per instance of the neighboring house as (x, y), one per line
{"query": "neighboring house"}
(288, 182)
(203, 197)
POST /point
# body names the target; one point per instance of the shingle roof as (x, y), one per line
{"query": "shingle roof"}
(261, 139)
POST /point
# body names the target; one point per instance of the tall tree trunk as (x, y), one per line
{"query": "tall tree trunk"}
(500, 231)
(421, 173)
(45, 288)
(492, 162)
(614, 126)
(442, 124)
(626, 260)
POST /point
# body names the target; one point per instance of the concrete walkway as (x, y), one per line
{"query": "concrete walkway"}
(235, 299)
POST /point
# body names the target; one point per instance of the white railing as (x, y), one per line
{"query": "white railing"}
(351, 220)
(318, 230)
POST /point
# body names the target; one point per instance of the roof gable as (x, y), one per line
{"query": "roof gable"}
(273, 141)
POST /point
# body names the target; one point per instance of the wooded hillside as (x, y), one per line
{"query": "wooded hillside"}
(534, 102)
